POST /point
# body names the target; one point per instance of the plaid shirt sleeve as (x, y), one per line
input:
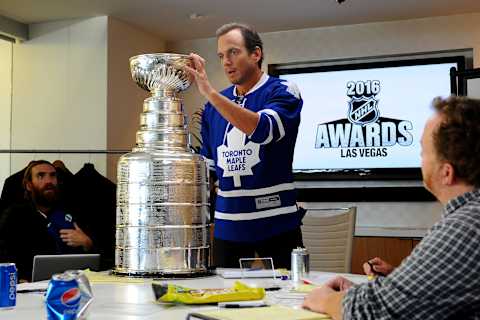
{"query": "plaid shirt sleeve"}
(439, 280)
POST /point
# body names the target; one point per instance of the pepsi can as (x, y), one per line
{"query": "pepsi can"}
(8, 285)
(86, 296)
(63, 297)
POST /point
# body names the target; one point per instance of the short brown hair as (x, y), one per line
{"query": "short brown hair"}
(27, 176)
(457, 139)
(250, 37)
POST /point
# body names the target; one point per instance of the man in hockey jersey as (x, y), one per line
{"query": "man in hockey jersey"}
(249, 132)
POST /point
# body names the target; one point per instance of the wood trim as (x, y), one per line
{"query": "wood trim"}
(392, 250)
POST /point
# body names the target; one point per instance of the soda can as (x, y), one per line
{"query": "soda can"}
(300, 264)
(62, 298)
(86, 296)
(8, 285)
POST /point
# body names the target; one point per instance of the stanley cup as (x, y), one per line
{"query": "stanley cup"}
(162, 195)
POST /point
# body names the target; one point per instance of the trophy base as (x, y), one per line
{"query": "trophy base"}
(164, 275)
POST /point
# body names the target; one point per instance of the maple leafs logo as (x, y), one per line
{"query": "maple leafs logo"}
(236, 157)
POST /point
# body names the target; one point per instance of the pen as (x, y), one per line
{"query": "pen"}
(310, 282)
(375, 273)
(272, 288)
(235, 306)
(240, 304)
(30, 290)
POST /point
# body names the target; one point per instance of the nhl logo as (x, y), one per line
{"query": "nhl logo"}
(363, 110)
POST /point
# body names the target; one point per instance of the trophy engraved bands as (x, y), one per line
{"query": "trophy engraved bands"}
(163, 215)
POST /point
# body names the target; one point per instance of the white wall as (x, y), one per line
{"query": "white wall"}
(125, 98)
(340, 42)
(72, 89)
(363, 40)
(473, 87)
(60, 92)
(5, 106)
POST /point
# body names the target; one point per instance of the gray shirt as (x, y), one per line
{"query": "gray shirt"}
(439, 280)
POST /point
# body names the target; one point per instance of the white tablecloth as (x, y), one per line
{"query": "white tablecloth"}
(127, 301)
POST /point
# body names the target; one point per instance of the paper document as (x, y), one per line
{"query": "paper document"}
(321, 278)
(273, 312)
(32, 286)
(233, 273)
(105, 277)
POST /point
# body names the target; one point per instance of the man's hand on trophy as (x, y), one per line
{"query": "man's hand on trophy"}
(200, 75)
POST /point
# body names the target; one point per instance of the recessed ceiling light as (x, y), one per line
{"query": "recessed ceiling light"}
(197, 16)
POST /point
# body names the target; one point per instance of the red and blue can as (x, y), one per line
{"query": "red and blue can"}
(63, 297)
(8, 285)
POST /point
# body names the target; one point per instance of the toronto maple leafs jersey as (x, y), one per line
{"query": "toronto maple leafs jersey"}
(256, 198)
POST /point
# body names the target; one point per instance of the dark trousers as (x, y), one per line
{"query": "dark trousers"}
(279, 248)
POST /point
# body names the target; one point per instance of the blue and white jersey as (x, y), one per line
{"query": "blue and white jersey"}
(256, 198)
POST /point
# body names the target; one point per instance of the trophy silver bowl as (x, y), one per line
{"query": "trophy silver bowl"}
(163, 213)
(161, 71)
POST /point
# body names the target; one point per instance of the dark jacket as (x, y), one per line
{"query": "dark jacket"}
(94, 197)
(25, 232)
(12, 191)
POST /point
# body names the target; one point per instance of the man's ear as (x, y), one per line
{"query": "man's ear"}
(448, 174)
(257, 54)
(28, 186)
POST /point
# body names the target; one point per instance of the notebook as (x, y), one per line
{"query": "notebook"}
(273, 312)
(44, 266)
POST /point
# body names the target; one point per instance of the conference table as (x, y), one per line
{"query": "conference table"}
(127, 300)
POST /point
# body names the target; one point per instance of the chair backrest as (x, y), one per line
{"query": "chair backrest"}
(44, 266)
(328, 237)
